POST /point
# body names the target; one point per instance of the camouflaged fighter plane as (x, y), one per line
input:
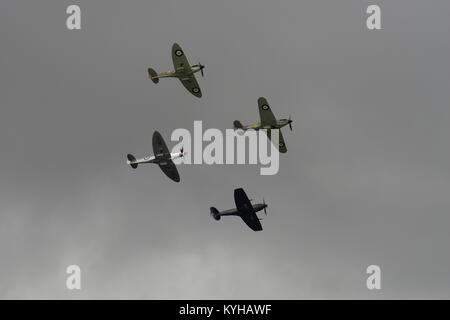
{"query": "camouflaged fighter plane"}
(183, 71)
(244, 209)
(162, 157)
(268, 122)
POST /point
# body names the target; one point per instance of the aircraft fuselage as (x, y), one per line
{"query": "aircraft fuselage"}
(235, 212)
(257, 126)
(159, 159)
(180, 72)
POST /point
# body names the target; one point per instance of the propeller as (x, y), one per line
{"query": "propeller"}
(265, 211)
(201, 68)
(290, 122)
(181, 151)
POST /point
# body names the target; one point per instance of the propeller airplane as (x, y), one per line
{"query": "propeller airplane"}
(182, 70)
(268, 122)
(162, 157)
(244, 209)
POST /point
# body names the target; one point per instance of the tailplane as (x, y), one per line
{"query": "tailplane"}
(153, 75)
(131, 160)
(215, 213)
(237, 125)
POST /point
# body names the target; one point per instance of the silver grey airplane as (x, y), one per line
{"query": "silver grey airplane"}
(244, 209)
(162, 157)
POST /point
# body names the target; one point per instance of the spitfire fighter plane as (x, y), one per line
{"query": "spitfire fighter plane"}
(162, 157)
(268, 121)
(183, 71)
(244, 209)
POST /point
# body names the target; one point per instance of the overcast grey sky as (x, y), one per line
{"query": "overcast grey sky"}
(366, 178)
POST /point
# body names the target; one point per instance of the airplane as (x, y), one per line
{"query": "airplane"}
(183, 71)
(162, 157)
(244, 209)
(268, 122)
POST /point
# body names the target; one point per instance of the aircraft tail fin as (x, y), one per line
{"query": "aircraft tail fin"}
(215, 213)
(131, 160)
(153, 75)
(237, 125)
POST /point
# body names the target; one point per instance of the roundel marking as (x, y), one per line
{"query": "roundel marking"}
(281, 144)
(195, 90)
(178, 52)
(265, 107)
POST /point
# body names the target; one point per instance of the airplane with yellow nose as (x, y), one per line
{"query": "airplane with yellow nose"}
(268, 122)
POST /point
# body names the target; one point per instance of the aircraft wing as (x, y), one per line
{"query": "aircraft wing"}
(159, 146)
(170, 170)
(191, 84)
(181, 64)
(246, 211)
(281, 144)
(180, 61)
(266, 115)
